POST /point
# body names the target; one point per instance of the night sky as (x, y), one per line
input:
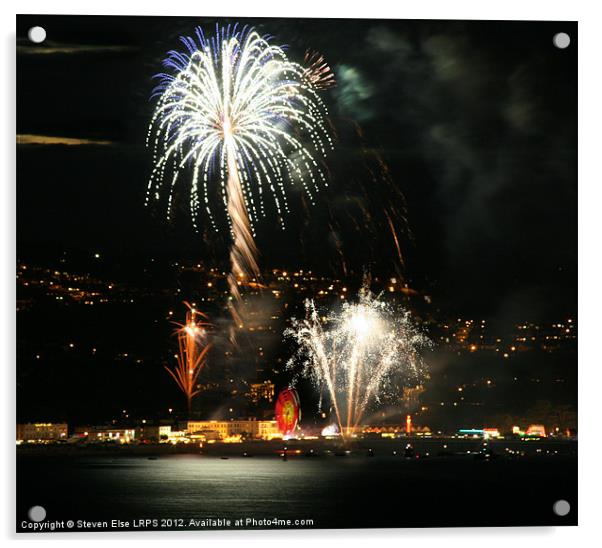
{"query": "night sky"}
(464, 132)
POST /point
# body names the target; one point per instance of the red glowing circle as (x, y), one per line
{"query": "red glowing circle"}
(288, 412)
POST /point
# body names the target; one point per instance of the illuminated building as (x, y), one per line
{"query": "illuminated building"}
(227, 429)
(268, 430)
(471, 432)
(491, 433)
(536, 430)
(106, 434)
(395, 430)
(153, 433)
(261, 391)
(41, 431)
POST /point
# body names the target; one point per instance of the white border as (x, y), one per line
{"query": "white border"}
(590, 126)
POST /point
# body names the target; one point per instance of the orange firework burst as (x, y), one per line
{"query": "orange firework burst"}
(192, 355)
(318, 72)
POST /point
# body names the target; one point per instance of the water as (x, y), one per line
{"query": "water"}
(345, 491)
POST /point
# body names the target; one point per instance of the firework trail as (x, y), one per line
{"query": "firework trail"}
(192, 354)
(243, 252)
(235, 111)
(364, 209)
(356, 353)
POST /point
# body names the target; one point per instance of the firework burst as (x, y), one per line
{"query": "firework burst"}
(317, 71)
(192, 354)
(235, 111)
(358, 354)
(235, 103)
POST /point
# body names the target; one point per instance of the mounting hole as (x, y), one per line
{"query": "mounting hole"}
(561, 507)
(37, 34)
(561, 40)
(37, 513)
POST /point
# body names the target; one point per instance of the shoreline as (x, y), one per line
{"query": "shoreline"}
(420, 448)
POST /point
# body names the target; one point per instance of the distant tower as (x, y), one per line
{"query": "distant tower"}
(408, 424)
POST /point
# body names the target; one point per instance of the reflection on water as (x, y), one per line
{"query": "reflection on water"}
(187, 486)
(350, 491)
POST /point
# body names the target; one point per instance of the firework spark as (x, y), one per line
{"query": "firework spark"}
(357, 354)
(318, 72)
(237, 112)
(192, 354)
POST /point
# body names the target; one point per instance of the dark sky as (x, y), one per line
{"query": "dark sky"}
(464, 131)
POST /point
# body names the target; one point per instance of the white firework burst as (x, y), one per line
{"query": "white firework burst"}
(357, 353)
(235, 107)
